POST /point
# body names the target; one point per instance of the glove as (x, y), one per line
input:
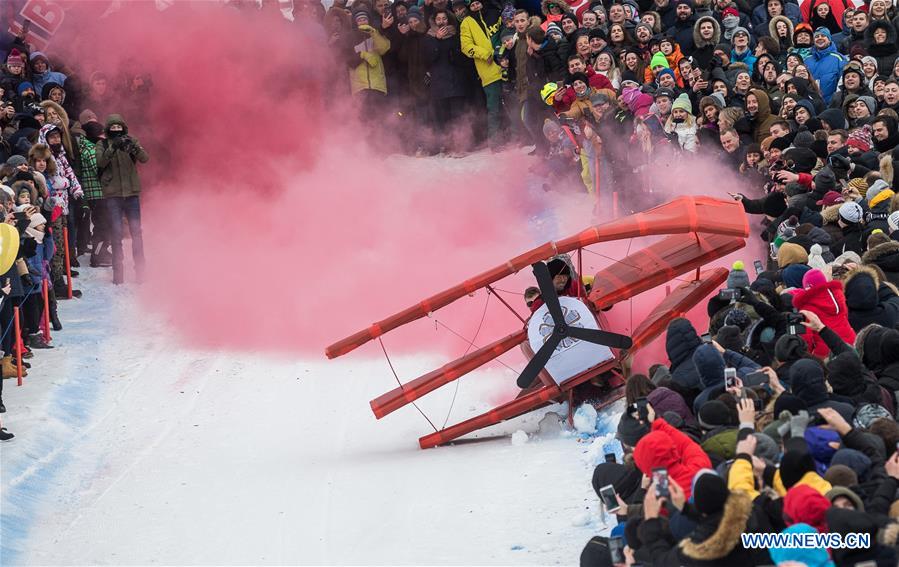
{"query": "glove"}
(118, 143)
(798, 424)
(27, 282)
(840, 162)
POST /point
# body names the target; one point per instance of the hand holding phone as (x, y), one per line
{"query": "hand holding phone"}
(660, 482)
(609, 498)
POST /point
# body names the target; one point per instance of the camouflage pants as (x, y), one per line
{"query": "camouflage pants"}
(58, 264)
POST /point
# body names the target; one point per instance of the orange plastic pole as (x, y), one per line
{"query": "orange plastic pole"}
(45, 320)
(18, 329)
(65, 239)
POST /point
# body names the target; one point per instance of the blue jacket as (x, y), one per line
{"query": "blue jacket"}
(48, 76)
(710, 365)
(748, 58)
(39, 263)
(826, 66)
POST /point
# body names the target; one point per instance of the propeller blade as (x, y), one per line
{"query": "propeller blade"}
(548, 291)
(539, 360)
(606, 338)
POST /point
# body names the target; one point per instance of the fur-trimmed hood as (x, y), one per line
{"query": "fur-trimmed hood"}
(716, 36)
(772, 27)
(561, 3)
(726, 536)
(831, 214)
(882, 251)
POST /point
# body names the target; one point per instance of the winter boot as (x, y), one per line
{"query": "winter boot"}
(38, 342)
(9, 368)
(5, 435)
(102, 259)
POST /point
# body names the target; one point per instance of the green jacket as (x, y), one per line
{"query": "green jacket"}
(117, 164)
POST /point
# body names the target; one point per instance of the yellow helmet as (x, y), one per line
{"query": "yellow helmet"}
(548, 90)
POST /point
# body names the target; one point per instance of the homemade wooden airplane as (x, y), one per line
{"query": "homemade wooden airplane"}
(574, 347)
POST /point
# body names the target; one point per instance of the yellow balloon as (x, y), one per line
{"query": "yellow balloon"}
(9, 246)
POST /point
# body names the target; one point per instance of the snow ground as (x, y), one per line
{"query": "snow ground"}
(131, 449)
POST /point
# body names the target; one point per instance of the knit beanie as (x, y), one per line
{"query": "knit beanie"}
(875, 188)
(630, 430)
(766, 448)
(840, 475)
(715, 413)
(859, 184)
(793, 274)
(790, 253)
(15, 59)
(816, 259)
(884, 195)
(851, 212)
(737, 278)
(866, 415)
(893, 221)
(861, 139)
(804, 139)
(709, 492)
(683, 102)
(790, 347)
(658, 60)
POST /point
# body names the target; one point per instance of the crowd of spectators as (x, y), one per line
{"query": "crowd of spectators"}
(779, 415)
(68, 166)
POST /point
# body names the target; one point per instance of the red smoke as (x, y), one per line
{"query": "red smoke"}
(270, 222)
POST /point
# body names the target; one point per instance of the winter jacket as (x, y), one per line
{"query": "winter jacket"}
(666, 447)
(886, 257)
(665, 400)
(39, 264)
(710, 365)
(826, 66)
(703, 51)
(807, 383)
(48, 76)
(851, 240)
(715, 541)
(681, 341)
(827, 301)
(682, 32)
(760, 16)
(477, 33)
(366, 62)
(117, 165)
(870, 300)
(446, 65)
(763, 119)
(885, 53)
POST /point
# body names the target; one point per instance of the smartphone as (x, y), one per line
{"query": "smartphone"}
(730, 377)
(660, 479)
(610, 458)
(756, 378)
(616, 549)
(608, 496)
(758, 267)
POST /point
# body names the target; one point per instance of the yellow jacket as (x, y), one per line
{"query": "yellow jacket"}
(477, 44)
(369, 74)
(741, 477)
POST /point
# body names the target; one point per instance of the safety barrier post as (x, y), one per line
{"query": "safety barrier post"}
(18, 346)
(45, 320)
(65, 240)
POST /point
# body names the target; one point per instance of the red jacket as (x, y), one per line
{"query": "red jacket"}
(804, 504)
(666, 447)
(826, 300)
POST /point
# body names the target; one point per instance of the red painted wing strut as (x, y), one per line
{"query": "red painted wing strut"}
(682, 215)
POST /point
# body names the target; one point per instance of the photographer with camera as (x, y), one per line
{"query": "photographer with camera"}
(117, 158)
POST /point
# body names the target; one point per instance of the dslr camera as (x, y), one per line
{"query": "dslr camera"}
(732, 295)
(794, 323)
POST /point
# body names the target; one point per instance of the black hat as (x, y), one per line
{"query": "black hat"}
(709, 493)
(781, 143)
(664, 92)
(578, 77)
(790, 347)
(558, 266)
(796, 462)
(788, 402)
(729, 337)
(715, 413)
(597, 33)
(630, 430)
(804, 158)
(625, 479)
